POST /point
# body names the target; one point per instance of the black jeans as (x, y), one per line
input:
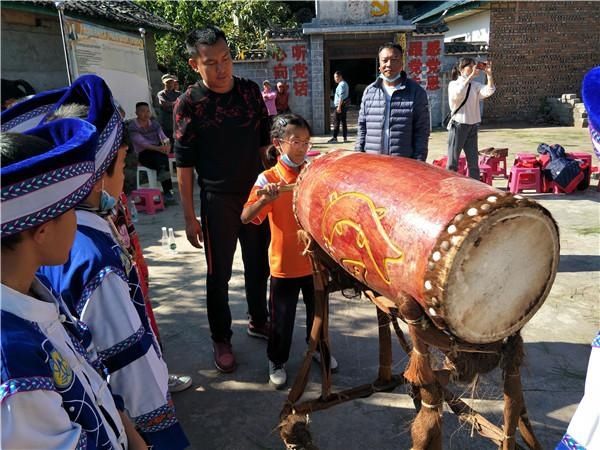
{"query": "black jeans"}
(340, 117)
(283, 301)
(221, 229)
(159, 162)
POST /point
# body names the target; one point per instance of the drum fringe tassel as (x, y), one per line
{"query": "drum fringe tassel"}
(295, 434)
(419, 370)
(426, 430)
(306, 241)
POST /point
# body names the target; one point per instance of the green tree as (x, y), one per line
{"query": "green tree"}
(245, 23)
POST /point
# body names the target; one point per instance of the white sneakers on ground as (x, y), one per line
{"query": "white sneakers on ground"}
(178, 383)
(332, 361)
(277, 375)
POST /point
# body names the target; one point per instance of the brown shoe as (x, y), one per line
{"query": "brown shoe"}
(224, 359)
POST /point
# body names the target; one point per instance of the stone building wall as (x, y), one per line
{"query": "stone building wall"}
(539, 49)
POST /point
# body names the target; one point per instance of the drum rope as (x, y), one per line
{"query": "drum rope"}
(427, 405)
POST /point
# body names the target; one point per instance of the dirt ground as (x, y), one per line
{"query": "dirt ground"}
(239, 411)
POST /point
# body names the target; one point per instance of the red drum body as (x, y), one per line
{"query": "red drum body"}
(481, 262)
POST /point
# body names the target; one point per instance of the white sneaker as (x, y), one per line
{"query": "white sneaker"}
(277, 375)
(178, 383)
(333, 364)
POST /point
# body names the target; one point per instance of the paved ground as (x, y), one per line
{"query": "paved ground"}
(239, 411)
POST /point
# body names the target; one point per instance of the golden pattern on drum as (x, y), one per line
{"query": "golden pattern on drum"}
(353, 218)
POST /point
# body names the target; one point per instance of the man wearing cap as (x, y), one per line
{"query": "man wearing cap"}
(166, 101)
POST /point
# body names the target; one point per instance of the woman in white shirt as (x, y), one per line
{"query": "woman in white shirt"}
(464, 125)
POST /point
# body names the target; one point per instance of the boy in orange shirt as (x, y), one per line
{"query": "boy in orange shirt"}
(291, 271)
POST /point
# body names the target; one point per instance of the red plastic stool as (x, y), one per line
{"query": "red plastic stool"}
(497, 163)
(524, 156)
(486, 174)
(522, 178)
(148, 200)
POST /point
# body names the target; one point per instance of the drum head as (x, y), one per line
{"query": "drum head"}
(501, 274)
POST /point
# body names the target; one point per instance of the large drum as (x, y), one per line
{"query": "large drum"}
(480, 261)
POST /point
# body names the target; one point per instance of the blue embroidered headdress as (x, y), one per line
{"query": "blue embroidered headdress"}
(40, 188)
(88, 90)
(590, 92)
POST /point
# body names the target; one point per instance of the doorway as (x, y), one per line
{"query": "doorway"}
(356, 58)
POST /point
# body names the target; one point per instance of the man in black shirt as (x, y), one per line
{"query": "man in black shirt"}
(221, 128)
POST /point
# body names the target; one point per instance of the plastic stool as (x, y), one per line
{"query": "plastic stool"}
(150, 174)
(148, 200)
(524, 156)
(462, 164)
(486, 174)
(522, 178)
(497, 163)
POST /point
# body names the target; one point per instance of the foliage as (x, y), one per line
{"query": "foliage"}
(245, 23)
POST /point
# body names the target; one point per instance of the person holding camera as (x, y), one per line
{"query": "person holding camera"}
(464, 95)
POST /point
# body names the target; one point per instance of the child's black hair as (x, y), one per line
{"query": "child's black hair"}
(278, 131)
(15, 147)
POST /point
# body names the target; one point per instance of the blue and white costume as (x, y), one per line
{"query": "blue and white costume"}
(584, 430)
(50, 395)
(100, 286)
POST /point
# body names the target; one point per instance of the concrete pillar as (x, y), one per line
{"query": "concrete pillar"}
(317, 85)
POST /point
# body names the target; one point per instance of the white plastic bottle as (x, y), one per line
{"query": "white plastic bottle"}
(172, 243)
(133, 211)
(164, 240)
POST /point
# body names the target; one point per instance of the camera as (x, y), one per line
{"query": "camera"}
(481, 65)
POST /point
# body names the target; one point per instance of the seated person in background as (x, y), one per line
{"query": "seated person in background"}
(152, 146)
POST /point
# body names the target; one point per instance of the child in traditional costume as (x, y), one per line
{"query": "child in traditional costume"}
(99, 284)
(51, 396)
(584, 430)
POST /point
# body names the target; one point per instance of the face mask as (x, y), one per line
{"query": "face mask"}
(390, 80)
(107, 202)
(288, 162)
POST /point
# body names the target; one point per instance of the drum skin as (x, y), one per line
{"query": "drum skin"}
(402, 226)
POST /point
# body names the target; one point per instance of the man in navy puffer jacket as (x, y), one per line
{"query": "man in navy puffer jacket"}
(394, 112)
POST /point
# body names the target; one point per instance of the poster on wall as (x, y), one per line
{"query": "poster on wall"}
(116, 56)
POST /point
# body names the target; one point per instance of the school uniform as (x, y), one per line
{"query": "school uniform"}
(291, 272)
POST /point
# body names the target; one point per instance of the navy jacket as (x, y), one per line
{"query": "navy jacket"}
(409, 120)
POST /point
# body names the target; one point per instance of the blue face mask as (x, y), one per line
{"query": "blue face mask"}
(288, 162)
(107, 202)
(390, 80)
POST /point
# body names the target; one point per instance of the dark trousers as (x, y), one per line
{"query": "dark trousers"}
(159, 162)
(221, 229)
(340, 117)
(282, 302)
(463, 136)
